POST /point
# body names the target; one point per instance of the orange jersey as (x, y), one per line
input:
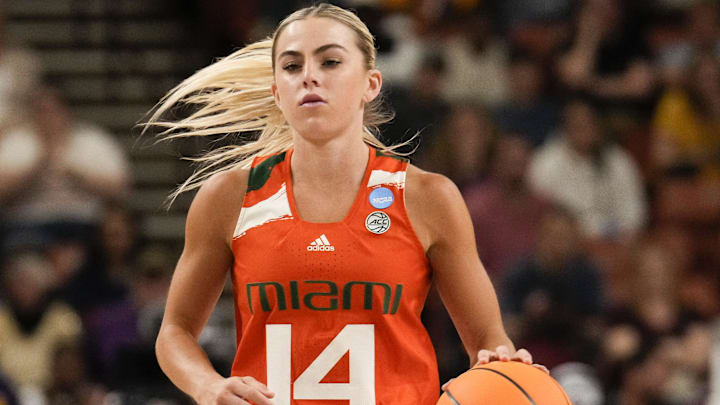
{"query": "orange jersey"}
(329, 313)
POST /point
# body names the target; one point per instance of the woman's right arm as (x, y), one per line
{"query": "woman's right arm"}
(197, 283)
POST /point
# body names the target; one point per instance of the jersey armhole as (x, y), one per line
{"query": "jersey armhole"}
(258, 177)
(241, 214)
(411, 226)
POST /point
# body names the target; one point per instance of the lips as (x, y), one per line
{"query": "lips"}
(311, 98)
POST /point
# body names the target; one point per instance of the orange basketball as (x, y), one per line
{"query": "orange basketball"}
(506, 383)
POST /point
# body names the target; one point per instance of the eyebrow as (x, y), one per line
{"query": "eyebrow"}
(315, 52)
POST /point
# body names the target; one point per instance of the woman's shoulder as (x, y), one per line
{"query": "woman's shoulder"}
(218, 202)
(225, 184)
(428, 185)
(433, 194)
(227, 187)
(431, 200)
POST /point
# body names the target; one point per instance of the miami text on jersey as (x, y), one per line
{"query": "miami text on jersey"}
(330, 290)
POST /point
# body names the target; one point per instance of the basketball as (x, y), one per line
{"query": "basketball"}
(504, 382)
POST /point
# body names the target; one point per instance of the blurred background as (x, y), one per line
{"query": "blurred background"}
(584, 135)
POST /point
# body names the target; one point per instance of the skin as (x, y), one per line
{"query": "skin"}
(327, 166)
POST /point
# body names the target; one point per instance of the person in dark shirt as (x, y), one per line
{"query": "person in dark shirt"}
(504, 204)
(419, 108)
(609, 58)
(529, 111)
(552, 296)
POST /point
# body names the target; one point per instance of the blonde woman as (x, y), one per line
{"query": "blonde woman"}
(332, 240)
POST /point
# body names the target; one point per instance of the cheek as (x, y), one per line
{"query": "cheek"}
(282, 94)
(285, 88)
(351, 93)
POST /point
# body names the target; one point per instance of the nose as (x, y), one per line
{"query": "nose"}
(309, 76)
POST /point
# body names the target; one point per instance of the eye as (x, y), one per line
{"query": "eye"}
(291, 66)
(331, 62)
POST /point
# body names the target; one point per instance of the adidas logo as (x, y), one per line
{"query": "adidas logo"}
(321, 244)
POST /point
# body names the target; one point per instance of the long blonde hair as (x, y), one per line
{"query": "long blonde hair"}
(233, 96)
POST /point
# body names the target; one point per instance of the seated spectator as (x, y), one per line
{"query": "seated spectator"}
(541, 36)
(127, 330)
(528, 111)
(71, 383)
(639, 346)
(699, 285)
(106, 276)
(32, 324)
(55, 172)
(462, 148)
(599, 182)
(552, 298)
(609, 58)
(686, 153)
(101, 290)
(674, 371)
(505, 213)
(403, 49)
(420, 107)
(699, 33)
(686, 127)
(477, 63)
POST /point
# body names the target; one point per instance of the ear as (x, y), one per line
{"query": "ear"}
(374, 85)
(275, 94)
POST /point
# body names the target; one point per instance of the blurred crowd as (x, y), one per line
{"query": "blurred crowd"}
(584, 136)
(81, 294)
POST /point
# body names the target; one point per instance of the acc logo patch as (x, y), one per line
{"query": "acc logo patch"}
(381, 197)
(377, 222)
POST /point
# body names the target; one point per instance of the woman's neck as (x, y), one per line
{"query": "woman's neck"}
(340, 161)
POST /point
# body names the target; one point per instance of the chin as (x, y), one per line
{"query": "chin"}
(317, 130)
(315, 136)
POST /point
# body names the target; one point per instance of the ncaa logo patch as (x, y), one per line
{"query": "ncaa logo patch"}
(377, 222)
(381, 197)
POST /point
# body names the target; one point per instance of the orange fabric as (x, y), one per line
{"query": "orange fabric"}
(314, 293)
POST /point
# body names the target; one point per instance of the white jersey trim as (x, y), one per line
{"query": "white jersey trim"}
(274, 208)
(378, 177)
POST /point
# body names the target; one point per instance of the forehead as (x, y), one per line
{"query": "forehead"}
(311, 33)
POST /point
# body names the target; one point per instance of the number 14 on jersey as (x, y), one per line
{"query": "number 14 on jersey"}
(358, 340)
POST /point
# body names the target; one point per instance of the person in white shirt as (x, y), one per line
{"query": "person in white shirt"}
(56, 170)
(596, 180)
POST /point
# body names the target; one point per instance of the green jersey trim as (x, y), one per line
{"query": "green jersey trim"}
(260, 174)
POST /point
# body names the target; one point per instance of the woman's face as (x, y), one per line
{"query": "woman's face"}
(321, 81)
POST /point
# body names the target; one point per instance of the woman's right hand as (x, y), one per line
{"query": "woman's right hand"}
(236, 391)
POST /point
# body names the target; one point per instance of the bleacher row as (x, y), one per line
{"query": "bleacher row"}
(112, 60)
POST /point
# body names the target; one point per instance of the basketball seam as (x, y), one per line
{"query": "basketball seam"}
(509, 379)
(452, 398)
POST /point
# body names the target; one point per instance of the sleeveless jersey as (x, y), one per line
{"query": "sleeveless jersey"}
(329, 313)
